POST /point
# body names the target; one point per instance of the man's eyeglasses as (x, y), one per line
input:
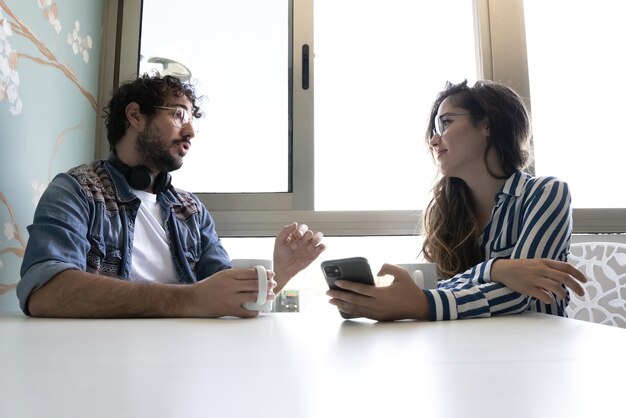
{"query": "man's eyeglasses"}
(181, 116)
(440, 124)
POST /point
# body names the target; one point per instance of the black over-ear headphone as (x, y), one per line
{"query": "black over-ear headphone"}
(140, 177)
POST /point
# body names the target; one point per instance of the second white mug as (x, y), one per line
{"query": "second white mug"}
(423, 274)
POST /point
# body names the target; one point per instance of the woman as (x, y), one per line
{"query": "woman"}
(500, 236)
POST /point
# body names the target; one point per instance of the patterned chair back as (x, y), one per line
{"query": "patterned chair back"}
(604, 301)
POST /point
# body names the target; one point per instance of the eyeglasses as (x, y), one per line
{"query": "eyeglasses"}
(440, 124)
(181, 116)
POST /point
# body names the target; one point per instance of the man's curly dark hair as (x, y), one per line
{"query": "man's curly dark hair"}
(147, 91)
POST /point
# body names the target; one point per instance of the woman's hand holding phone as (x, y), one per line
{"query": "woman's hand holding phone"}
(402, 299)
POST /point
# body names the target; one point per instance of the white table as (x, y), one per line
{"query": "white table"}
(311, 365)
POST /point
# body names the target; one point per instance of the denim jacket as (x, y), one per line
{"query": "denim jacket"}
(85, 220)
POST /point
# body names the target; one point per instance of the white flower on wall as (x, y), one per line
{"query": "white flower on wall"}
(79, 44)
(39, 188)
(51, 13)
(9, 77)
(9, 231)
(5, 25)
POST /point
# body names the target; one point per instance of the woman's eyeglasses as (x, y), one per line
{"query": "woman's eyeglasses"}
(181, 116)
(440, 124)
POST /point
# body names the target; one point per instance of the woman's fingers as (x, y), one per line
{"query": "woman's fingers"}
(567, 275)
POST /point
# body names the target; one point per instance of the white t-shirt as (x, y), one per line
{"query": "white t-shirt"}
(151, 257)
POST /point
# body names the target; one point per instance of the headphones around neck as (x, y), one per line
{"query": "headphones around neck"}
(140, 177)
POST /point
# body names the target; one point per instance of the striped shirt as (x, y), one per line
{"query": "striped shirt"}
(532, 219)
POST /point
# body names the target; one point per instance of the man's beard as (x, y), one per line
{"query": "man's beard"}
(153, 153)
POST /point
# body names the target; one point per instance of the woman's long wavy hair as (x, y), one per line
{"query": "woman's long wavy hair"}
(451, 230)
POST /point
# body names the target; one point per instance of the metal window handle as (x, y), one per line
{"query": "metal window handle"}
(305, 67)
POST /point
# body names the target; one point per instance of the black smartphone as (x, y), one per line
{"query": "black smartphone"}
(355, 269)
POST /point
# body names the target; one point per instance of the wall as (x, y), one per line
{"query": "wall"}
(49, 61)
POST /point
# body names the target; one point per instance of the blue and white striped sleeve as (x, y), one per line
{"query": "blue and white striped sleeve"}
(469, 295)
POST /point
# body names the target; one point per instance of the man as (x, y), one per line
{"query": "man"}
(115, 239)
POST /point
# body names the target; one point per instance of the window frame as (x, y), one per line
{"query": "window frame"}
(502, 56)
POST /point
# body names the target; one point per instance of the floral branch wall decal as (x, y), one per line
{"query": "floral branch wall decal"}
(57, 144)
(80, 44)
(51, 13)
(5, 288)
(9, 77)
(11, 232)
(8, 54)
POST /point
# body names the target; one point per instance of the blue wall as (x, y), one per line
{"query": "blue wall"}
(49, 61)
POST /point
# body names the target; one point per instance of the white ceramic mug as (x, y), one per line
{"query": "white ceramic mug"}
(261, 266)
(423, 274)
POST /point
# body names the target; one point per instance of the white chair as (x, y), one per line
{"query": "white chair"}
(604, 301)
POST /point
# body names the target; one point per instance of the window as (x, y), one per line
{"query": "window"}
(378, 68)
(373, 92)
(355, 163)
(577, 94)
(238, 54)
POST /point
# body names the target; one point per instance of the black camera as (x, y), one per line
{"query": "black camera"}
(332, 271)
